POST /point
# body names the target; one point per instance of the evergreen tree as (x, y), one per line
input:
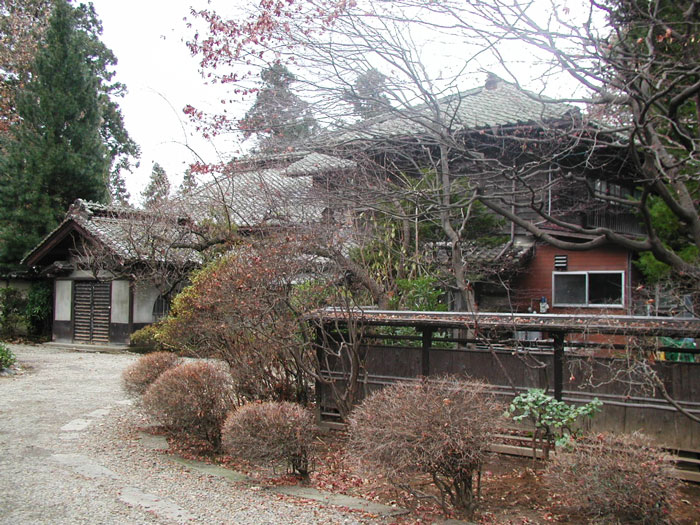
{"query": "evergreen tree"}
(279, 117)
(158, 188)
(189, 183)
(69, 135)
(368, 94)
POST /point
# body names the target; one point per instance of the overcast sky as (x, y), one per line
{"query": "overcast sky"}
(148, 38)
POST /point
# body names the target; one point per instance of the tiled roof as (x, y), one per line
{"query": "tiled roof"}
(318, 163)
(503, 105)
(500, 257)
(128, 233)
(254, 198)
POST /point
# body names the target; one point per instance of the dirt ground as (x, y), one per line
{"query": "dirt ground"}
(513, 491)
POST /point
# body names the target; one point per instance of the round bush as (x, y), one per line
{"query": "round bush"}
(441, 427)
(270, 433)
(614, 479)
(139, 375)
(192, 399)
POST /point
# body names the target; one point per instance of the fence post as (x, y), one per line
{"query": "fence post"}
(425, 351)
(558, 365)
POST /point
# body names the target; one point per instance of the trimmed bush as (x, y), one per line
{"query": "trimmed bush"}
(192, 399)
(271, 433)
(7, 358)
(139, 375)
(146, 339)
(614, 479)
(440, 427)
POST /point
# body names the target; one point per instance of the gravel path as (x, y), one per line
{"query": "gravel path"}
(71, 454)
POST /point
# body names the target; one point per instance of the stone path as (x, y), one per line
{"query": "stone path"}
(70, 454)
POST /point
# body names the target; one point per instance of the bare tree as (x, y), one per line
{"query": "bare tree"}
(624, 136)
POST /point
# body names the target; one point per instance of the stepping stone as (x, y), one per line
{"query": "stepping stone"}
(152, 442)
(84, 466)
(212, 470)
(76, 425)
(159, 506)
(340, 500)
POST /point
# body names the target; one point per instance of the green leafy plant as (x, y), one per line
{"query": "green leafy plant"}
(7, 358)
(556, 422)
(39, 308)
(12, 309)
(146, 339)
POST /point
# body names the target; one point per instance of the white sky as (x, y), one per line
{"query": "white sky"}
(148, 39)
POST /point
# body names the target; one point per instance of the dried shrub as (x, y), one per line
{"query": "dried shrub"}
(138, 376)
(271, 433)
(614, 479)
(238, 309)
(192, 399)
(440, 427)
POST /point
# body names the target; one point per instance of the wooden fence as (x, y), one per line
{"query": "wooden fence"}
(405, 345)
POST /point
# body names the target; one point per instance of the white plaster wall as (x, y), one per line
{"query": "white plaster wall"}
(144, 299)
(64, 298)
(120, 302)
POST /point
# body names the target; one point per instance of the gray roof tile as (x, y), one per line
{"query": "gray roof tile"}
(479, 108)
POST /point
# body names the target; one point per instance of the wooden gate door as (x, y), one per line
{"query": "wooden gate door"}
(91, 312)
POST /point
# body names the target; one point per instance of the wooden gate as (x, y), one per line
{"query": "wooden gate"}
(92, 303)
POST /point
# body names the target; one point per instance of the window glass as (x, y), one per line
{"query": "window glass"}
(570, 289)
(161, 308)
(605, 288)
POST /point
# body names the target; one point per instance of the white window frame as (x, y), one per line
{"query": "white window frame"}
(587, 304)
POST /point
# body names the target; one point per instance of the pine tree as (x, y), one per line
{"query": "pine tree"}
(68, 135)
(158, 188)
(189, 183)
(279, 117)
(368, 94)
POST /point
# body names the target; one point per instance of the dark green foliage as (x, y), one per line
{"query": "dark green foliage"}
(7, 358)
(39, 309)
(189, 183)
(158, 188)
(70, 136)
(278, 117)
(13, 305)
(421, 293)
(368, 94)
(675, 236)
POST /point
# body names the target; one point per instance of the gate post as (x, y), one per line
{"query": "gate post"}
(427, 343)
(558, 365)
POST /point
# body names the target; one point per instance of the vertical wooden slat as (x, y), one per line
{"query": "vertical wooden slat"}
(92, 311)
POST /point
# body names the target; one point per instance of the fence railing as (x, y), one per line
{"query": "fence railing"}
(619, 370)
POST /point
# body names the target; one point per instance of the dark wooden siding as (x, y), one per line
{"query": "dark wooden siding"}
(625, 409)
